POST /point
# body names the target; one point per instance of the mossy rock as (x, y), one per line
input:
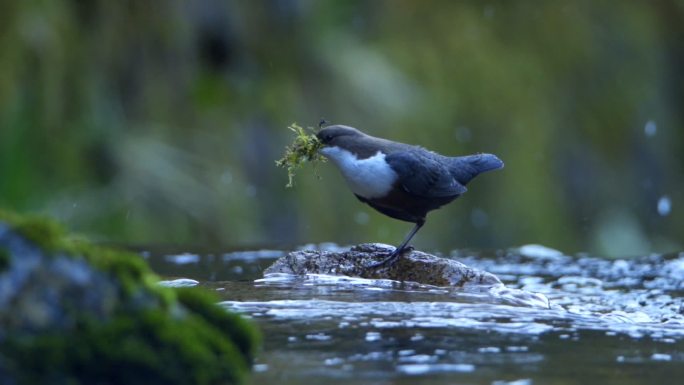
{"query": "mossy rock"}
(75, 313)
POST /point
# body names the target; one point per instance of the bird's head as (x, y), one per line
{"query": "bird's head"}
(332, 135)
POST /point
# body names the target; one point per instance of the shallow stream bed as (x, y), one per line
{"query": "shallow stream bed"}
(610, 321)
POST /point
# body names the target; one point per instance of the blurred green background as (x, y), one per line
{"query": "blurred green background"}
(158, 122)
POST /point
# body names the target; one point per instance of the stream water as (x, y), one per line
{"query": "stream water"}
(609, 322)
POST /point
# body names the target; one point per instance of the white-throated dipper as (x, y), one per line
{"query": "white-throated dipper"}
(400, 180)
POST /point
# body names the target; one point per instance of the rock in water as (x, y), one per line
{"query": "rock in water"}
(414, 266)
(73, 313)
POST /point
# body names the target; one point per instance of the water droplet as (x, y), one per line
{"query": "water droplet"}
(650, 129)
(661, 357)
(489, 11)
(522, 381)
(361, 217)
(183, 259)
(479, 218)
(664, 206)
(539, 252)
(333, 361)
(227, 177)
(517, 348)
(489, 349)
(419, 369)
(463, 134)
(318, 337)
(182, 282)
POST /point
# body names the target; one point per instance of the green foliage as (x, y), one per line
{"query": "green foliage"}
(303, 149)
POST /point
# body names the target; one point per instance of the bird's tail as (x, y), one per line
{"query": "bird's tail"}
(465, 168)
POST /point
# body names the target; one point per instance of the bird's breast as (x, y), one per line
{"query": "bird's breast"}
(370, 177)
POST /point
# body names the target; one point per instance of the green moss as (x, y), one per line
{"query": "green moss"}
(203, 303)
(44, 232)
(152, 348)
(304, 149)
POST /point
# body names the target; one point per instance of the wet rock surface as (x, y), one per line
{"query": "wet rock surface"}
(413, 268)
(41, 292)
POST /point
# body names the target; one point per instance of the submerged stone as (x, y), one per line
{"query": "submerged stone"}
(75, 313)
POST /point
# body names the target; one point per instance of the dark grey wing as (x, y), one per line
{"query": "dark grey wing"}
(422, 175)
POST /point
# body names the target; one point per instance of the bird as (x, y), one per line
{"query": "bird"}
(400, 180)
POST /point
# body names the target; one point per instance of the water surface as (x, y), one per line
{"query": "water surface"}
(609, 321)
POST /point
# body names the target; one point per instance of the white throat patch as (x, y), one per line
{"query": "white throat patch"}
(370, 178)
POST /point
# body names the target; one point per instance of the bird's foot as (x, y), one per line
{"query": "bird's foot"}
(391, 259)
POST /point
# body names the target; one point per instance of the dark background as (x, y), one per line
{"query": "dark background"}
(158, 122)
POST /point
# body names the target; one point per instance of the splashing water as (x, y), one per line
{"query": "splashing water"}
(664, 206)
(650, 128)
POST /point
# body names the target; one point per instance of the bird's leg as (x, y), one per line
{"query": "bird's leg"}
(397, 252)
